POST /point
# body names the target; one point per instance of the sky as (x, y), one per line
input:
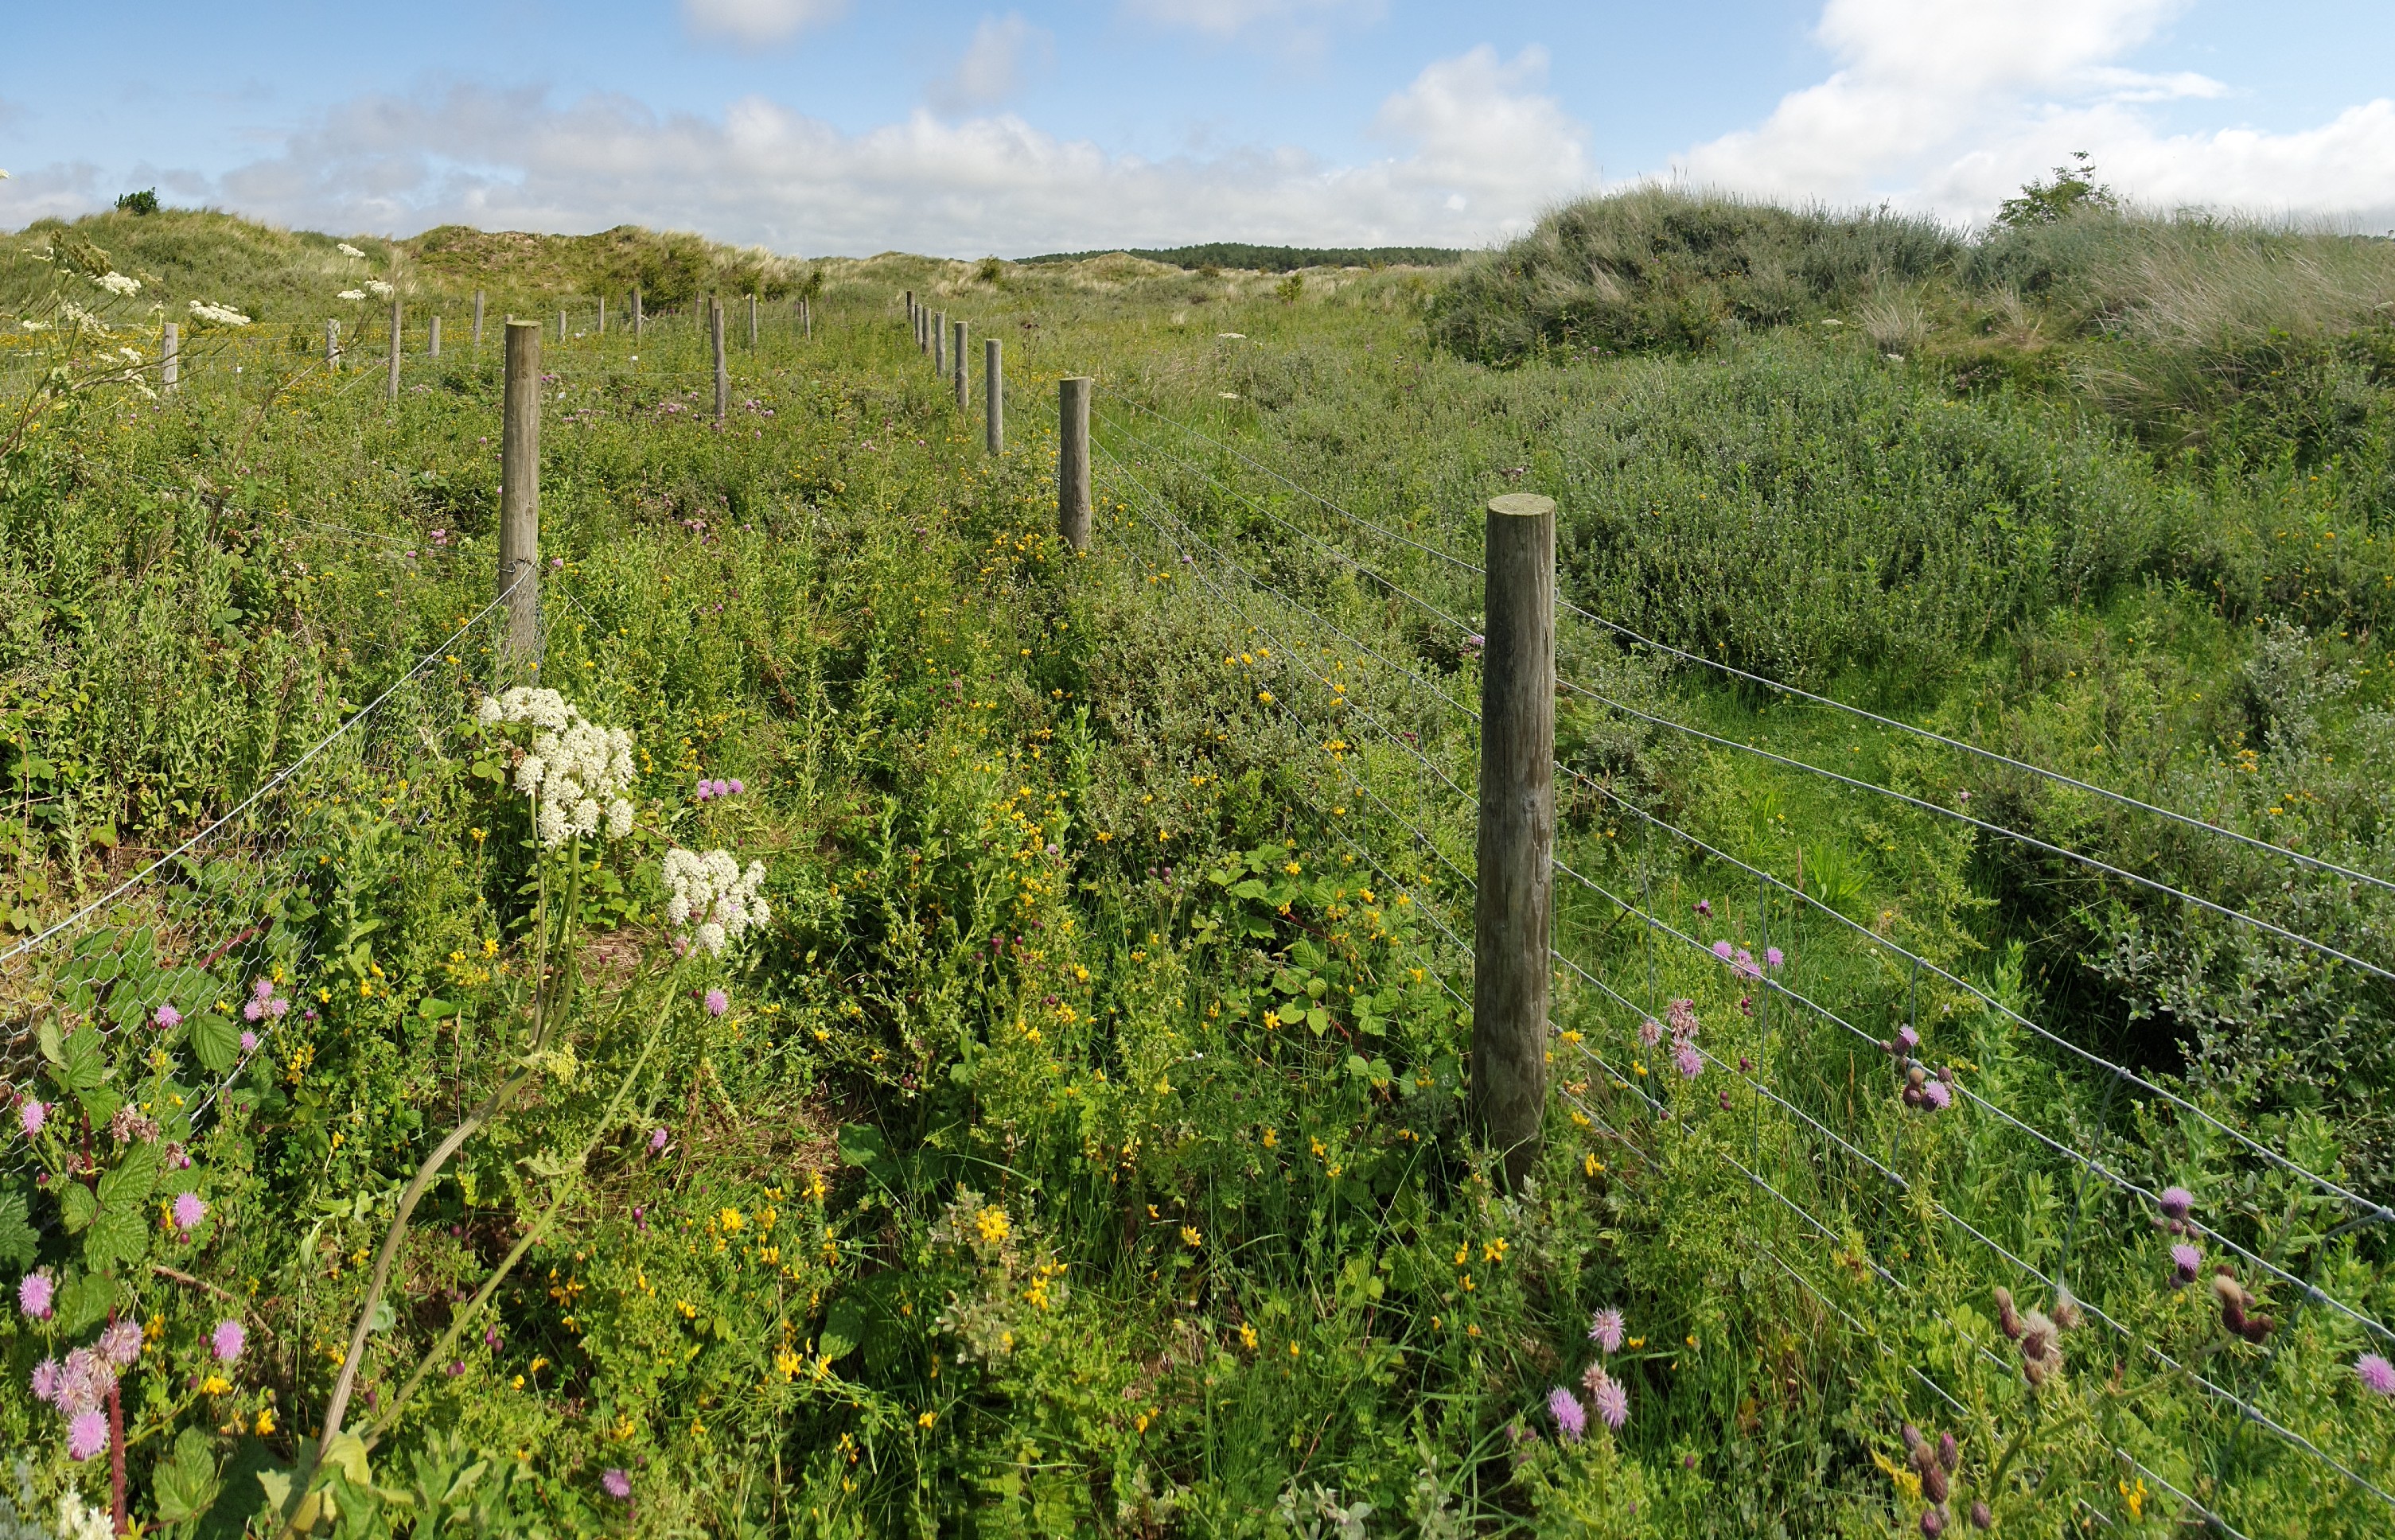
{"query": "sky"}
(835, 126)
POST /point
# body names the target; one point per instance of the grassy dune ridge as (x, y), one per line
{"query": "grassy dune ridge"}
(1079, 1146)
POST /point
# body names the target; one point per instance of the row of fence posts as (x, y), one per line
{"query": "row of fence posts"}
(1514, 904)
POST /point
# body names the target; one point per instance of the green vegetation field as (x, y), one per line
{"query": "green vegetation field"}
(1065, 1132)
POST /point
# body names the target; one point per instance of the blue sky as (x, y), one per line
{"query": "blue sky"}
(817, 125)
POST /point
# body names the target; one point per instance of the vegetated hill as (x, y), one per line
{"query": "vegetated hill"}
(2199, 332)
(1241, 255)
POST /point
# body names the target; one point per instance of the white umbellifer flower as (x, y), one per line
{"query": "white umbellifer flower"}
(118, 284)
(223, 315)
(82, 319)
(577, 770)
(377, 288)
(350, 294)
(131, 355)
(76, 1521)
(348, 250)
(712, 892)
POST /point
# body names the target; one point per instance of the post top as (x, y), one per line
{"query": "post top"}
(534, 324)
(1522, 505)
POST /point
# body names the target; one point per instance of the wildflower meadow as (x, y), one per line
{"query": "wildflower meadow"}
(881, 1023)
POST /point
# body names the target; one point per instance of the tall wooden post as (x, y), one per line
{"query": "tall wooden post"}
(638, 321)
(391, 383)
(807, 317)
(963, 369)
(752, 323)
(1510, 966)
(432, 338)
(993, 394)
(332, 345)
(603, 315)
(910, 313)
(477, 320)
(520, 496)
(722, 375)
(561, 325)
(1073, 460)
(170, 359)
(940, 344)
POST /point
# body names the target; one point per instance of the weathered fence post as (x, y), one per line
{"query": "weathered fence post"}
(603, 315)
(807, 318)
(477, 320)
(170, 359)
(432, 342)
(940, 344)
(1073, 460)
(723, 375)
(390, 384)
(638, 321)
(561, 325)
(331, 344)
(965, 371)
(993, 390)
(520, 496)
(1509, 967)
(752, 323)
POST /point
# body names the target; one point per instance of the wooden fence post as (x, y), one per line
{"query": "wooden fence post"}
(603, 315)
(1510, 963)
(963, 370)
(993, 390)
(723, 375)
(807, 319)
(910, 313)
(561, 325)
(432, 344)
(752, 323)
(520, 496)
(170, 359)
(332, 345)
(477, 320)
(637, 321)
(1073, 460)
(940, 344)
(390, 384)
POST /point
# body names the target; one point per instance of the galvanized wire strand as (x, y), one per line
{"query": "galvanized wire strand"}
(1303, 492)
(1396, 589)
(2150, 884)
(2373, 1211)
(1285, 599)
(273, 784)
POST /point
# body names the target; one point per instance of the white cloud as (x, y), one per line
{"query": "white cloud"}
(758, 22)
(1297, 22)
(1473, 150)
(1005, 51)
(1949, 105)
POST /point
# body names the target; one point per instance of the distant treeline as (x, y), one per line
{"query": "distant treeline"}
(1237, 254)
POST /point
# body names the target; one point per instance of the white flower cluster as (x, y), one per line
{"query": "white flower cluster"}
(119, 284)
(223, 315)
(713, 895)
(350, 294)
(377, 288)
(348, 250)
(576, 771)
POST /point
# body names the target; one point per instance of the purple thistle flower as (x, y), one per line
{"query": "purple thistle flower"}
(1692, 1063)
(1612, 1401)
(1705, 907)
(1683, 1016)
(262, 988)
(2187, 1261)
(1605, 1329)
(86, 1435)
(120, 1343)
(657, 1141)
(1571, 1418)
(227, 1340)
(2376, 1374)
(1746, 968)
(2177, 1203)
(1650, 1032)
(737, 787)
(1723, 950)
(83, 1381)
(618, 1484)
(45, 1381)
(718, 1002)
(169, 1016)
(1907, 1038)
(706, 790)
(31, 1117)
(1773, 956)
(249, 1042)
(34, 1294)
(1937, 1096)
(253, 1010)
(278, 1008)
(189, 1211)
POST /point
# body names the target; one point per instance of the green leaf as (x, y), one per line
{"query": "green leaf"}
(120, 1234)
(1251, 889)
(433, 1008)
(85, 1303)
(215, 1042)
(131, 1180)
(843, 1330)
(80, 1066)
(17, 1237)
(186, 1484)
(77, 1208)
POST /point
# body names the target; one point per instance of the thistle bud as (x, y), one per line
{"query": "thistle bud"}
(2258, 1328)
(1932, 1482)
(2037, 1334)
(1933, 1520)
(2006, 1316)
(2067, 1313)
(1916, 1075)
(1981, 1517)
(1913, 1442)
(1949, 1454)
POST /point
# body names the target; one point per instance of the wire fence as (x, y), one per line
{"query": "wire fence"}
(1868, 1193)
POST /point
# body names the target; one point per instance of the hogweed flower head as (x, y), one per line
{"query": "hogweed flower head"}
(714, 896)
(576, 771)
(1571, 1418)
